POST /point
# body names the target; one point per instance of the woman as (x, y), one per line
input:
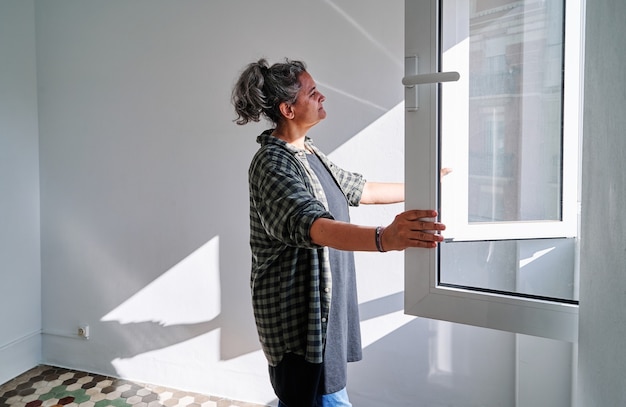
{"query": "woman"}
(303, 279)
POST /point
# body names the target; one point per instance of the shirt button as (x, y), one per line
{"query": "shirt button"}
(323, 319)
(326, 290)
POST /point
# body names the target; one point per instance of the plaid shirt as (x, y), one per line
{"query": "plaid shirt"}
(291, 281)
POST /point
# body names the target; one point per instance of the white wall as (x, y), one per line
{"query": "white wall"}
(20, 269)
(602, 360)
(144, 175)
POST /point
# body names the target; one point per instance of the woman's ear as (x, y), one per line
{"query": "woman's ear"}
(286, 110)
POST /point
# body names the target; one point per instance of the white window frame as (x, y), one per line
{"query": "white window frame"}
(424, 296)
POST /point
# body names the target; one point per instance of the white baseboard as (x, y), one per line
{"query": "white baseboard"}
(19, 355)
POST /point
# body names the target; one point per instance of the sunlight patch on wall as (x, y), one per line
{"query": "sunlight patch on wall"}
(377, 328)
(440, 350)
(535, 256)
(195, 364)
(377, 151)
(187, 293)
(193, 355)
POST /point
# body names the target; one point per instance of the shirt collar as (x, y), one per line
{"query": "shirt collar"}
(267, 138)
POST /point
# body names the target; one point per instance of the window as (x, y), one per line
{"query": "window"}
(509, 131)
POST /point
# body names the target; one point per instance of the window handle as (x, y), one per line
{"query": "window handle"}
(435, 77)
(413, 79)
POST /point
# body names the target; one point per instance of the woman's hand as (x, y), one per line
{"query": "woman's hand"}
(413, 228)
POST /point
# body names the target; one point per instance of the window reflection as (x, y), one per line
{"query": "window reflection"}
(515, 110)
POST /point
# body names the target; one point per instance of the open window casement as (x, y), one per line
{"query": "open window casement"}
(508, 129)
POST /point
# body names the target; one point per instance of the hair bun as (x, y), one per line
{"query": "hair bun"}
(261, 88)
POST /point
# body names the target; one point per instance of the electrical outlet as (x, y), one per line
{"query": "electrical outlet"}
(83, 331)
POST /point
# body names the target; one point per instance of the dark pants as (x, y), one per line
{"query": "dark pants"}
(296, 381)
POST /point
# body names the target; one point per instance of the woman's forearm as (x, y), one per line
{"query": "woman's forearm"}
(343, 236)
(413, 228)
(382, 193)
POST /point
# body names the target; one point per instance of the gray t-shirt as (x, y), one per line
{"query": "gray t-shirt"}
(343, 338)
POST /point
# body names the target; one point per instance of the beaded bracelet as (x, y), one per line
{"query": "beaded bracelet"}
(379, 238)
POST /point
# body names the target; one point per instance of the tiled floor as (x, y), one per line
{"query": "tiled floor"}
(48, 386)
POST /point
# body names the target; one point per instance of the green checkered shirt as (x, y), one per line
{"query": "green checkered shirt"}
(291, 281)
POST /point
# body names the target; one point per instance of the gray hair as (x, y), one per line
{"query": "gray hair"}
(262, 88)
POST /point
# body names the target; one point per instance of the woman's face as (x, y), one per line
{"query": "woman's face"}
(308, 109)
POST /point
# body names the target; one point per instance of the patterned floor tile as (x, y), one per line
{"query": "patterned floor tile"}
(47, 386)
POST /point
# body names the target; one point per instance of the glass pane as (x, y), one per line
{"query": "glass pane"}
(541, 268)
(502, 135)
(514, 74)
